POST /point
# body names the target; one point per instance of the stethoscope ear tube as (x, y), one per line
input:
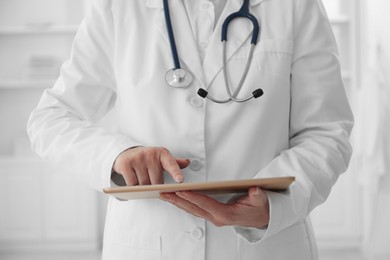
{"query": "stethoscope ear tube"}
(202, 92)
(233, 96)
(258, 93)
(243, 12)
(205, 94)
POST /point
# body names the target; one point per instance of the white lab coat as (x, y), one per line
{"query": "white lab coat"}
(299, 127)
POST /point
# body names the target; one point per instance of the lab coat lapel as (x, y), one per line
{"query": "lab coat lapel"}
(237, 34)
(185, 41)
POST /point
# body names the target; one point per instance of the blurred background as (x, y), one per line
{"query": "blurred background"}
(46, 215)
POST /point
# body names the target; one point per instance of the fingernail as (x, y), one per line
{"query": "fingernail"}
(179, 178)
(256, 191)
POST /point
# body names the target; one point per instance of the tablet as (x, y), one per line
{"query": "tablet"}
(207, 188)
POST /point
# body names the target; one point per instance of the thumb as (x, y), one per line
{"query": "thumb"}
(256, 193)
(183, 163)
(258, 197)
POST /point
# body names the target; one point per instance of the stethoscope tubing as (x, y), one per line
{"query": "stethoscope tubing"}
(233, 96)
(171, 36)
(243, 77)
(175, 81)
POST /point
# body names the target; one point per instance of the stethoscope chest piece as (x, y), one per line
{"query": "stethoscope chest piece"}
(178, 78)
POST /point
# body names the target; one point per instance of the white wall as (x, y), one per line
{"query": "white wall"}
(373, 122)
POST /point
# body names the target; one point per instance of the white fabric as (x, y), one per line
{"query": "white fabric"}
(299, 127)
(203, 16)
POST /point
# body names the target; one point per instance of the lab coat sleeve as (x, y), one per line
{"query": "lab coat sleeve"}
(64, 125)
(320, 124)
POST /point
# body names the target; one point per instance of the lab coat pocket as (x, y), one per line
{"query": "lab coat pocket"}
(270, 67)
(270, 56)
(122, 244)
(276, 46)
(291, 243)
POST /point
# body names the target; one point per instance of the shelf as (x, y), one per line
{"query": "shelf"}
(38, 29)
(26, 84)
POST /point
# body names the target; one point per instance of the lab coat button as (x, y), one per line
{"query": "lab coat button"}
(195, 165)
(196, 102)
(197, 233)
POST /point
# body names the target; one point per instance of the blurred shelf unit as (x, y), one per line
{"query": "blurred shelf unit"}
(43, 208)
(35, 39)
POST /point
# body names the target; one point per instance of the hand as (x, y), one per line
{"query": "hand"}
(251, 210)
(146, 165)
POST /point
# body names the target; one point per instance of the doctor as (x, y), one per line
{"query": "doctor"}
(299, 127)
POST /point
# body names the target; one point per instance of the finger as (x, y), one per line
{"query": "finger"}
(183, 163)
(256, 200)
(206, 203)
(186, 206)
(156, 175)
(254, 192)
(257, 195)
(171, 199)
(130, 177)
(256, 206)
(218, 213)
(170, 165)
(142, 176)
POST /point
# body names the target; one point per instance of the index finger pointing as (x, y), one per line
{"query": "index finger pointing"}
(170, 165)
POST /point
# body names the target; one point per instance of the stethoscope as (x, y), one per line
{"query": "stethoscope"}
(181, 78)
